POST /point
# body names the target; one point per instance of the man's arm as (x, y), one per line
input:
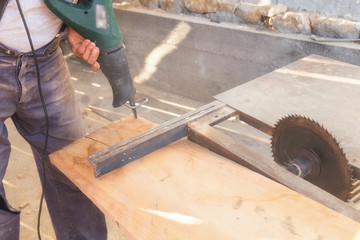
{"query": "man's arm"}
(84, 49)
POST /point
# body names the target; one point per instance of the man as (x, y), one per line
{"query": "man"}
(72, 214)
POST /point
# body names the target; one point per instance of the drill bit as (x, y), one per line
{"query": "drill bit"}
(132, 106)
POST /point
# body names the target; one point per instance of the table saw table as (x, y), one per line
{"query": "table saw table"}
(184, 191)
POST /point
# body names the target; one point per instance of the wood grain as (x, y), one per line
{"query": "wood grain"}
(184, 191)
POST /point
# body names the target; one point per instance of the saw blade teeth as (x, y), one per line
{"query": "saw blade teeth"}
(284, 149)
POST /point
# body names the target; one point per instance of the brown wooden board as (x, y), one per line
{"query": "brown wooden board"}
(235, 148)
(184, 191)
(319, 88)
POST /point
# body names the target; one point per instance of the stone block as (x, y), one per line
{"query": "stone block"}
(201, 6)
(272, 10)
(292, 22)
(227, 6)
(336, 28)
(172, 6)
(248, 12)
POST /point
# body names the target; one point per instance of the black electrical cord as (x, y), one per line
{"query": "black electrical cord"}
(45, 113)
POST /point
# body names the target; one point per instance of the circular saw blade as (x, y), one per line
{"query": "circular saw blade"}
(295, 132)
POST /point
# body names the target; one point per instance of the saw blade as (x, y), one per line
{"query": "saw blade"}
(294, 134)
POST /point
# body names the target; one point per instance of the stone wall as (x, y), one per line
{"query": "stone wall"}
(265, 13)
(332, 8)
(335, 8)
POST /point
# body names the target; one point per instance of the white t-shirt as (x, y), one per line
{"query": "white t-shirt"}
(42, 23)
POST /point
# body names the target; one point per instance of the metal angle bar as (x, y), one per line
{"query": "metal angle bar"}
(148, 141)
(157, 128)
(134, 151)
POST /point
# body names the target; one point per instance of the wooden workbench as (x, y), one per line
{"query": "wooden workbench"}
(184, 191)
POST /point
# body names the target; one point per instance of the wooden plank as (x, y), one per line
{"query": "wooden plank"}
(184, 191)
(219, 142)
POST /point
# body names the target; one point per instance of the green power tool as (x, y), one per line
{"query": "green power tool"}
(95, 20)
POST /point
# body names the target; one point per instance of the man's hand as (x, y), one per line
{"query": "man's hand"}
(84, 49)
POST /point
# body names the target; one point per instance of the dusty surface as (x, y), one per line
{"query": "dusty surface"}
(95, 98)
(94, 95)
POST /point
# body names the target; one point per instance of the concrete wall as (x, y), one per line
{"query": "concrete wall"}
(198, 59)
(334, 8)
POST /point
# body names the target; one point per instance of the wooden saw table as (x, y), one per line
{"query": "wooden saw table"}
(319, 88)
(184, 191)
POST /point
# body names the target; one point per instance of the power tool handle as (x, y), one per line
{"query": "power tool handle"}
(114, 65)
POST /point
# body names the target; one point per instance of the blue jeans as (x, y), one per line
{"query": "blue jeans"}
(73, 215)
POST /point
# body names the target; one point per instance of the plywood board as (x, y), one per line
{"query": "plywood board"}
(184, 191)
